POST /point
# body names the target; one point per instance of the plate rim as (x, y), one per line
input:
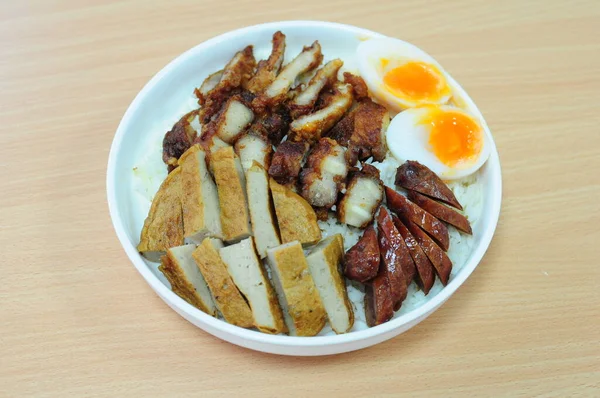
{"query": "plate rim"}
(182, 307)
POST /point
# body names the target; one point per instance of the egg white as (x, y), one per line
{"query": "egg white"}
(408, 139)
(369, 55)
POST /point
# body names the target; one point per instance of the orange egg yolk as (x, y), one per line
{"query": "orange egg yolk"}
(455, 138)
(417, 80)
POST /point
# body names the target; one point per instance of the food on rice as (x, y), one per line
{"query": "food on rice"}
(283, 145)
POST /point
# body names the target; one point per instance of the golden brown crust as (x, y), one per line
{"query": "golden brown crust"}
(367, 139)
(235, 74)
(163, 227)
(332, 252)
(303, 302)
(287, 161)
(310, 127)
(304, 101)
(179, 139)
(229, 300)
(355, 197)
(268, 69)
(296, 218)
(235, 220)
(359, 87)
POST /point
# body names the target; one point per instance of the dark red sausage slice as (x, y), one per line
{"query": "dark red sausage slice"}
(394, 254)
(441, 211)
(406, 209)
(379, 307)
(439, 259)
(417, 177)
(425, 273)
(361, 262)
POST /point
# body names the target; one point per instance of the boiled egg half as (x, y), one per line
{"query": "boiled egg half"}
(401, 75)
(448, 140)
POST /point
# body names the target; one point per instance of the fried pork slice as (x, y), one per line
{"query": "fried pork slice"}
(253, 148)
(394, 257)
(310, 127)
(361, 262)
(276, 92)
(324, 264)
(228, 299)
(324, 173)
(302, 307)
(400, 205)
(425, 274)
(287, 161)
(304, 102)
(207, 85)
(414, 176)
(236, 74)
(263, 223)
(441, 211)
(343, 129)
(163, 227)
(296, 218)
(268, 69)
(379, 305)
(359, 87)
(363, 196)
(179, 139)
(250, 277)
(199, 198)
(231, 187)
(371, 120)
(233, 119)
(185, 278)
(273, 126)
(441, 262)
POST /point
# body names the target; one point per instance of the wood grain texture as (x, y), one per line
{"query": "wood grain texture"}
(77, 319)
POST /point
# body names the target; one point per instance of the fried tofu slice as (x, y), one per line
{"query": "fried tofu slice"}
(163, 227)
(302, 306)
(363, 196)
(185, 278)
(200, 199)
(324, 263)
(310, 127)
(304, 102)
(236, 74)
(207, 85)
(264, 228)
(228, 299)
(253, 148)
(267, 70)
(233, 119)
(250, 277)
(231, 187)
(276, 92)
(296, 218)
(324, 173)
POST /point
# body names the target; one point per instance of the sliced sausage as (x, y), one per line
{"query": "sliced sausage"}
(439, 259)
(425, 276)
(406, 209)
(361, 262)
(379, 307)
(441, 211)
(394, 255)
(417, 177)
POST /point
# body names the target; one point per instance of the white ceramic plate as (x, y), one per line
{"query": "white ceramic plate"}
(168, 95)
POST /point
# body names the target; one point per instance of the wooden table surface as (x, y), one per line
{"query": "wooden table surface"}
(77, 319)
